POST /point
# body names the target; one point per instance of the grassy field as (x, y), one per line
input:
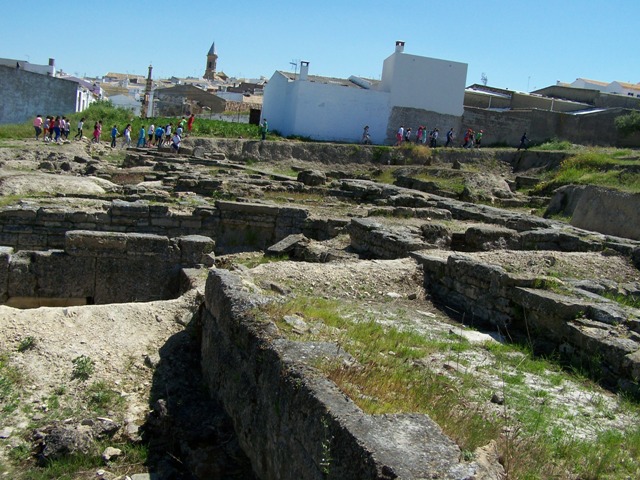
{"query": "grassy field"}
(392, 374)
(610, 168)
(110, 116)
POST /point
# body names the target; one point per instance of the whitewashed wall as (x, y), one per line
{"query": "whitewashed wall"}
(427, 83)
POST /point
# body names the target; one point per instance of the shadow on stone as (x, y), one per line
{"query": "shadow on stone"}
(188, 434)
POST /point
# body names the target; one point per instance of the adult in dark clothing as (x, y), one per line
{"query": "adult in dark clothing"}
(523, 141)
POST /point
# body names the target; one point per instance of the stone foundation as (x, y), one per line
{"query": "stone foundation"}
(585, 327)
(291, 421)
(100, 267)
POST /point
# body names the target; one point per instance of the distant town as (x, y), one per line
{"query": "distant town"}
(413, 92)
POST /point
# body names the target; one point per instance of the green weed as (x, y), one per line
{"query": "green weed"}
(27, 343)
(83, 367)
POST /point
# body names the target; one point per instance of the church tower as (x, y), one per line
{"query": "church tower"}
(212, 58)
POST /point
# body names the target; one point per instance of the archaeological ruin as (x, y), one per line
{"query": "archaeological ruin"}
(158, 225)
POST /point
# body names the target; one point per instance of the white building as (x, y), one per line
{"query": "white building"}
(619, 88)
(334, 109)
(127, 102)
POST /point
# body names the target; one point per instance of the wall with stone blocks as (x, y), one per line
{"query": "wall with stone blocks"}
(232, 225)
(294, 423)
(101, 267)
(522, 305)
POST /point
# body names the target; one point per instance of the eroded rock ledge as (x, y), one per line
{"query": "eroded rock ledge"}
(294, 423)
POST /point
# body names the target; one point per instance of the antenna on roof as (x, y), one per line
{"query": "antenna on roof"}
(294, 64)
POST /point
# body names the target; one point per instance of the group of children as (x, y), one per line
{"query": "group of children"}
(55, 129)
(424, 136)
(58, 129)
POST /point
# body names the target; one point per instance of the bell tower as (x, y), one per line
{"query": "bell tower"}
(212, 58)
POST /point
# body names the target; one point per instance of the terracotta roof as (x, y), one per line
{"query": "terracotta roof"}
(631, 86)
(595, 82)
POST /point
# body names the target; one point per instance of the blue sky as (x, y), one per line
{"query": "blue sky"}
(518, 44)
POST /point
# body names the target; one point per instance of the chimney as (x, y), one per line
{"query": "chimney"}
(304, 70)
(399, 46)
(52, 62)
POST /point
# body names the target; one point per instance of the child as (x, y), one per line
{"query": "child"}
(114, 134)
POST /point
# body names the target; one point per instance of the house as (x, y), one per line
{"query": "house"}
(618, 88)
(27, 91)
(127, 102)
(184, 99)
(413, 90)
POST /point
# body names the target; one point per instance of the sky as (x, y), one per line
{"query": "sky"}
(517, 44)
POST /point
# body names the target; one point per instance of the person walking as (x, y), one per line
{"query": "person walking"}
(399, 136)
(479, 138)
(114, 134)
(264, 128)
(434, 138)
(159, 134)
(449, 138)
(57, 130)
(366, 138)
(190, 124)
(126, 143)
(80, 127)
(150, 132)
(523, 141)
(175, 142)
(37, 125)
(142, 136)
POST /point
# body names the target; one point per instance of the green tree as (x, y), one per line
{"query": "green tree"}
(628, 124)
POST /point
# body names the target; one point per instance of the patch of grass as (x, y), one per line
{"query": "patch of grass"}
(625, 300)
(386, 175)
(26, 343)
(554, 144)
(11, 382)
(595, 167)
(390, 376)
(102, 398)
(83, 367)
(451, 183)
(82, 465)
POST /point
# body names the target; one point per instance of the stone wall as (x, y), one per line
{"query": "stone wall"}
(582, 327)
(506, 127)
(413, 118)
(233, 225)
(599, 209)
(100, 267)
(26, 94)
(291, 421)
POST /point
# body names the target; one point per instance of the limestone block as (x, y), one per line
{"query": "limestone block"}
(134, 279)
(50, 215)
(132, 209)
(63, 276)
(193, 248)
(5, 258)
(22, 281)
(18, 215)
(147, 244)
(286, 245)
(9, 238)
(312, 178)
(87, 243)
